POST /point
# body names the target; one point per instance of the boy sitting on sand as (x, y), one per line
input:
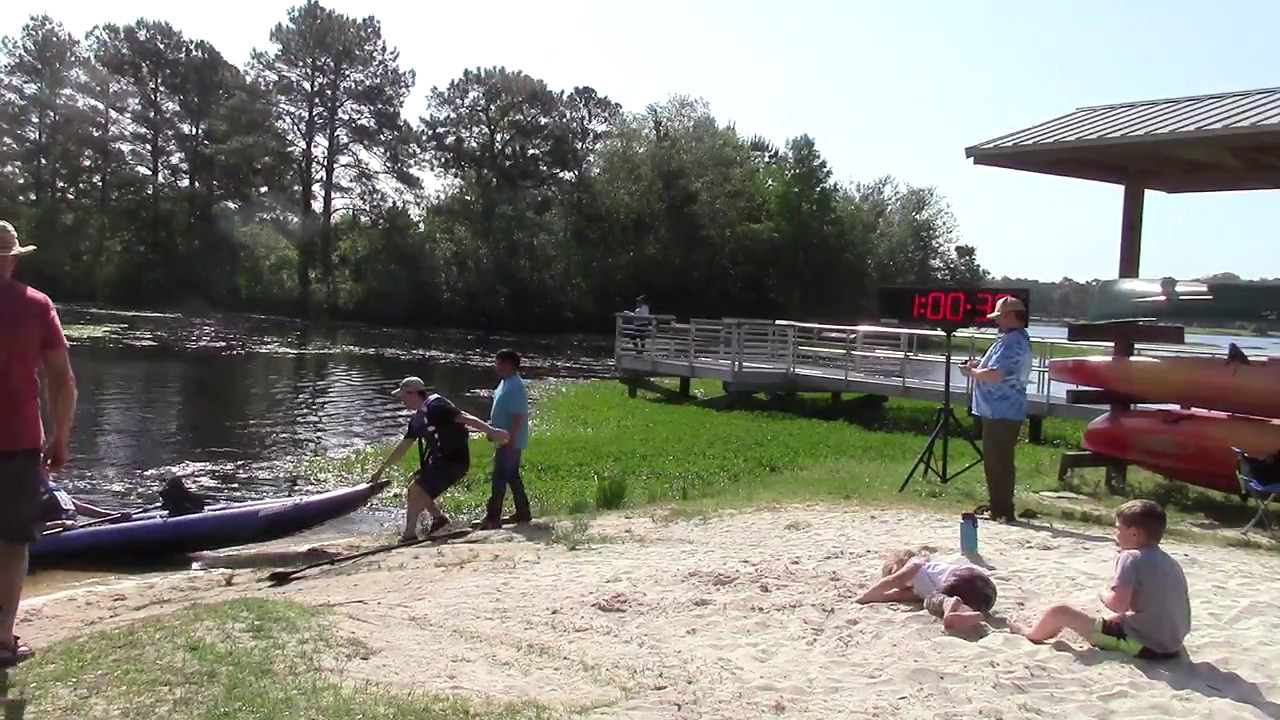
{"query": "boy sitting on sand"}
(960, 593)
(1150, 611)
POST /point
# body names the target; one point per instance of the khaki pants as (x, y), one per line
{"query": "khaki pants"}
(999, 440)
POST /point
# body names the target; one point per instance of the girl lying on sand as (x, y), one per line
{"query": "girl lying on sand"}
(960, 593)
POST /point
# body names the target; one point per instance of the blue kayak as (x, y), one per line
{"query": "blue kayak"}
(156, 534)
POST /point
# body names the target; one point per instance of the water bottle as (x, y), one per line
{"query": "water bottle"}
(968, 533)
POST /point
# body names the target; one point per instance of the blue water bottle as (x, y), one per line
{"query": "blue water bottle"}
(968, 533)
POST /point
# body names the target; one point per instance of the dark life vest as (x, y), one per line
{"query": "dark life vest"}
(178, 500)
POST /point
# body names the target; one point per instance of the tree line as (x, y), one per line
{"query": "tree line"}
(154, 172)
(1069, 299)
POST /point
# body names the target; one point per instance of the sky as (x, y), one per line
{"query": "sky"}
(887, 87)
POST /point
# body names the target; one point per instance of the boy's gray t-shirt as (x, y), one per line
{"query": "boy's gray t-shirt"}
(1160, 615)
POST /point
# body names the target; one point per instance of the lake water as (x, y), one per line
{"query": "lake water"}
(233, 403)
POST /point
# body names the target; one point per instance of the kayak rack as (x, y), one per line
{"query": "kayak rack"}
(1123, 335)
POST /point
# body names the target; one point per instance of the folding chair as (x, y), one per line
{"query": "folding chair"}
(1263, 491)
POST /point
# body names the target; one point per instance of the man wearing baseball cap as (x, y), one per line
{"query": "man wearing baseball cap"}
(31, 339)
(1000, 399)
(439, 429)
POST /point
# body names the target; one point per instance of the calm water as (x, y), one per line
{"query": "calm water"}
(232, 403)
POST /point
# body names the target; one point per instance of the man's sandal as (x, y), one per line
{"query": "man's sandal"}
(15, 652)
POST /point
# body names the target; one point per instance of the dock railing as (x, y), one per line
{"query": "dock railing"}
(753, 346)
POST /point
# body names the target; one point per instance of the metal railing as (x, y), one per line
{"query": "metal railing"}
(848, 351)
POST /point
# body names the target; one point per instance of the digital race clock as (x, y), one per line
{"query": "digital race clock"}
(945, 306)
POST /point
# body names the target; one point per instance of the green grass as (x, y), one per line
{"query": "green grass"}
(1038, 348)
(1245, 329)
(595, 449)
(961, 347)
(1059, 350)
(247, 658)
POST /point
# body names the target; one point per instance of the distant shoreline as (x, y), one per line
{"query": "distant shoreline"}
(1192, 328)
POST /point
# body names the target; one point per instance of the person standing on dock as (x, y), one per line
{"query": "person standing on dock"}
(31, 339)
(510, 412)
(1000, 400)
(638, 323)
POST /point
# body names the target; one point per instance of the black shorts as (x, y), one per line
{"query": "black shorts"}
(21, 496)
(974, 588)
(437, 477)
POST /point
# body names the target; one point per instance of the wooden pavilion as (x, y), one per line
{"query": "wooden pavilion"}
(1203, 143)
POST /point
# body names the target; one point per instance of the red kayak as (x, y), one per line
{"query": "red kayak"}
(1247, 387)
(1193, 446)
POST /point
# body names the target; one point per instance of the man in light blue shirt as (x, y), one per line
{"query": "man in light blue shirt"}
(510, 412)
(1000, 399)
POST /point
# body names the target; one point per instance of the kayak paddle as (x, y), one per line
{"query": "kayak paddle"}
(280, 577)
(100, 521)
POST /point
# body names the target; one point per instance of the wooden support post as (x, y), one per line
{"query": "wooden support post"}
(1131, 229)
(1130, 254)
(1130, 247)
(684, 386)
(1079, 459)
(1116, 469)
(1035, 429)
(835, 399)
(1118, 479)
(633, 388)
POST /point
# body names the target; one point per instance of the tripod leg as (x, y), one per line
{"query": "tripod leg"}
(968, 437)
(926, 455)
(964, 432)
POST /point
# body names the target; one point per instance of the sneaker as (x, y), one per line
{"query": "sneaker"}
(489, 524)
(437, 524)
(517, 519)
(986, 513)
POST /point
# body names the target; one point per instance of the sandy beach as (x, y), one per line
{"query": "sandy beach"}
(749, 615)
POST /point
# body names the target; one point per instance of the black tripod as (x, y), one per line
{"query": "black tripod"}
(945, 423)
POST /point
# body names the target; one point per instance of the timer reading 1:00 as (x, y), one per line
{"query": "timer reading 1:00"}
(954, 306)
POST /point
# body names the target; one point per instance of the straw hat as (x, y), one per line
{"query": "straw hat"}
(9, 241)
(1008, 303)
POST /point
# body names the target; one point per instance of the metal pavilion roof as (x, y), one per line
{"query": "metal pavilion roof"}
(1203, 143)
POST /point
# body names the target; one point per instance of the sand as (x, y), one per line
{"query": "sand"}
(752, 615)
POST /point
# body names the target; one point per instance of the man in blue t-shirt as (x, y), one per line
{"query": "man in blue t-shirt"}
(439, 429)
(511, 413)
(1000, 399)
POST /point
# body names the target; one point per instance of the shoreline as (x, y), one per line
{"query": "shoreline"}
(597, 450)
(707, 452)
(673, 530)
(734, 616)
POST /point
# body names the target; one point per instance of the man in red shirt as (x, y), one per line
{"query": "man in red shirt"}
(31, 339)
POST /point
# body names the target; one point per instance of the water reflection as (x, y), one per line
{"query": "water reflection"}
(232, 402)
